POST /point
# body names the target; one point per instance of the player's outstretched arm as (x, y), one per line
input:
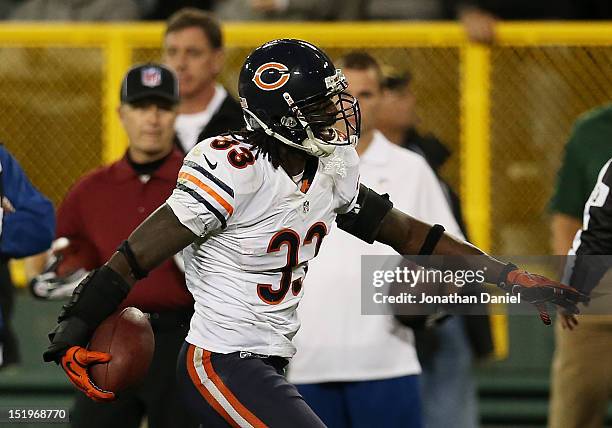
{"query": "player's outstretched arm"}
(374, 218)
(408, 235)
(159, 237)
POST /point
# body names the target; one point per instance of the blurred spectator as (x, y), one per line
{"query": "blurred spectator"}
(193, 47)
(323, 10)
(446, 351)
(402, 9)
(290, 10)
(517, 9)
(580, 389)
(588, 149)
(352, 369)
(76, 10)
(479, 17)
(27, 225)
(97, 214)
(398, 120)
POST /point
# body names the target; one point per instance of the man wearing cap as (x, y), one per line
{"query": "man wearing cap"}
(99, 212)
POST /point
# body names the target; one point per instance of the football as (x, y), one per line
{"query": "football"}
(128, 337)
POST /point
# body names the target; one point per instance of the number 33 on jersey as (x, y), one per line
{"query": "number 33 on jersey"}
(259, 229)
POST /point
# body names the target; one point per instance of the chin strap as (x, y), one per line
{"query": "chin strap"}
(317, 146)
(311, 145)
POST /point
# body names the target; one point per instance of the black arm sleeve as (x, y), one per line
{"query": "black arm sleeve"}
(94, 299)
(364, 220)
(594, 245)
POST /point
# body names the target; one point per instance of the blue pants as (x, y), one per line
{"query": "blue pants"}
(240, 389)
(385, 403)
(448, 386)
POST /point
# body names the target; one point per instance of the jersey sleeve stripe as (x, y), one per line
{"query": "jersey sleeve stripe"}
(200, 199)
(228, 207)
(211, 177)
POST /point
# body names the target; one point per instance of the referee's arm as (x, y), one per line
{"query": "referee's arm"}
(593, 243)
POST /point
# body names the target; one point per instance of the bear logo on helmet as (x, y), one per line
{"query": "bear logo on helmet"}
(276, 71)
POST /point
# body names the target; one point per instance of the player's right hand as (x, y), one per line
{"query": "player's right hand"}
(75, 363)
(93, 300)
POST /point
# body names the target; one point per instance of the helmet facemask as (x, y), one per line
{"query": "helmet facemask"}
(317, 124)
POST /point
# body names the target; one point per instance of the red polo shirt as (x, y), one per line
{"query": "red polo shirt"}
(103, 208)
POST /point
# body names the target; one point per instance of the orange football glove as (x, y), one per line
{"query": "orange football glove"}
(539, 290)
(75, 362)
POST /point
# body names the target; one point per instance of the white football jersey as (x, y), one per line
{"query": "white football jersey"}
(259, 229)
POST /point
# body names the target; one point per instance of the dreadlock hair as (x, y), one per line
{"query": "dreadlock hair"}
(267, 147)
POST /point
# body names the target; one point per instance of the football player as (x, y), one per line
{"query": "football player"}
(250, 210)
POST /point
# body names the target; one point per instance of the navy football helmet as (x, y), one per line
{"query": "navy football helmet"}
(291, 90)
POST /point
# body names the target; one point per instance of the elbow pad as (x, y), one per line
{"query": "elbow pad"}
(364, 220)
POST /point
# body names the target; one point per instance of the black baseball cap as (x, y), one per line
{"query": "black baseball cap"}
(149, 81)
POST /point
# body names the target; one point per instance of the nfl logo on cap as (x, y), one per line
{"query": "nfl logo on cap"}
(151, 77)
(149, 81)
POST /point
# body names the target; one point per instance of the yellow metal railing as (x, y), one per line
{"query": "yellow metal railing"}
(538, 48)
(119, 41)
